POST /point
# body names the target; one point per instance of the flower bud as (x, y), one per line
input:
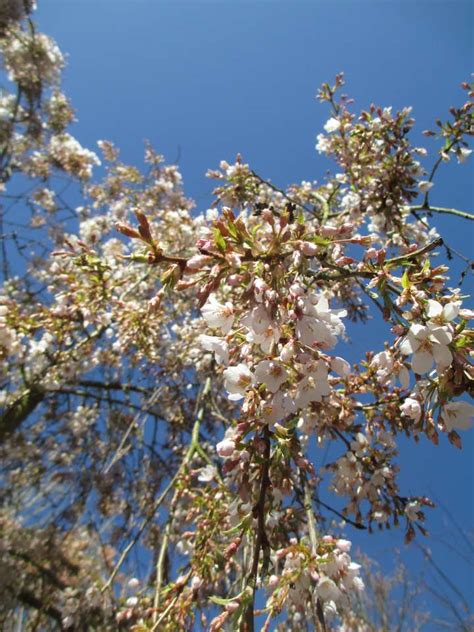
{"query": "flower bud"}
(225, 448)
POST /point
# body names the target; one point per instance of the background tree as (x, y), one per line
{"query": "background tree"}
(135, 332)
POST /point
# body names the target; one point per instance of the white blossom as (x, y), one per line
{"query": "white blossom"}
(340, 366)
(344, 545)
(217, 345)
(327, 590)
(424, 186)
(429, 345)
(266, 339)
(287, 352)
(411, 408)
(458, 415)
(319, 324)
(71, 156)
(207, 473)
(443, 314)
(131, 602)
(270, 373)
(237, 380)
(276, 409)
(463, 154)
(313, 387)
(218, 315)
(322, 143)
(133, 583)
(225, 448)
(257, 321)
(388, 370)
(332, 125)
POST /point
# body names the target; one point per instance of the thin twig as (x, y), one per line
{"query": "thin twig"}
(282, 192)
(442, 209)
(189, 454)
(141, 529)
(313, 537)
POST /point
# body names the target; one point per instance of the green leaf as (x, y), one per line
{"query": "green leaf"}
(255, 229)
(243, 524)
(300, 218)
(461, 342)
(224, 602)
(405, 280)
(320, 241)
(220, 601)
(219, 239)
(232, 229)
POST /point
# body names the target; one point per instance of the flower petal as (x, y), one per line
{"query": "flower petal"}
(434, 309)
(409, 345)
(441, 335)
(451, 311)
(442, 355)
(422, 362)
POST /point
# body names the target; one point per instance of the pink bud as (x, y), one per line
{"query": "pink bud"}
(267, 216)
(344, 261)
(225, 448)
(198, 261)
(308, 249)
(273, 581)
(371, 253)
(344, 545)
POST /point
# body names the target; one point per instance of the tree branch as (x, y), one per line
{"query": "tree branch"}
(442, 209)
(261, 539)
(20, 410)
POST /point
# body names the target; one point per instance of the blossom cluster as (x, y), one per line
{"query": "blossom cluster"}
(330, 576)
(31, 60)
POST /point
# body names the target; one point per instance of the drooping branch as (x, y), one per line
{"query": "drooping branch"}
(193, 448)
(261, 543)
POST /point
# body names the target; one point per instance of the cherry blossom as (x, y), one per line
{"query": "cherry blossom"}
(270, 373)
(332, 125)
(458, 415)
(314, 386)
(217, 315)
(425, 186)
(440, 314)
(278, 408)
(411, 408)
(429, 345)
(237, 380)
(217, 346)
(319, 324)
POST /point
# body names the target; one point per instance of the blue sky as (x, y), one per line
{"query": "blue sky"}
(205, 80)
